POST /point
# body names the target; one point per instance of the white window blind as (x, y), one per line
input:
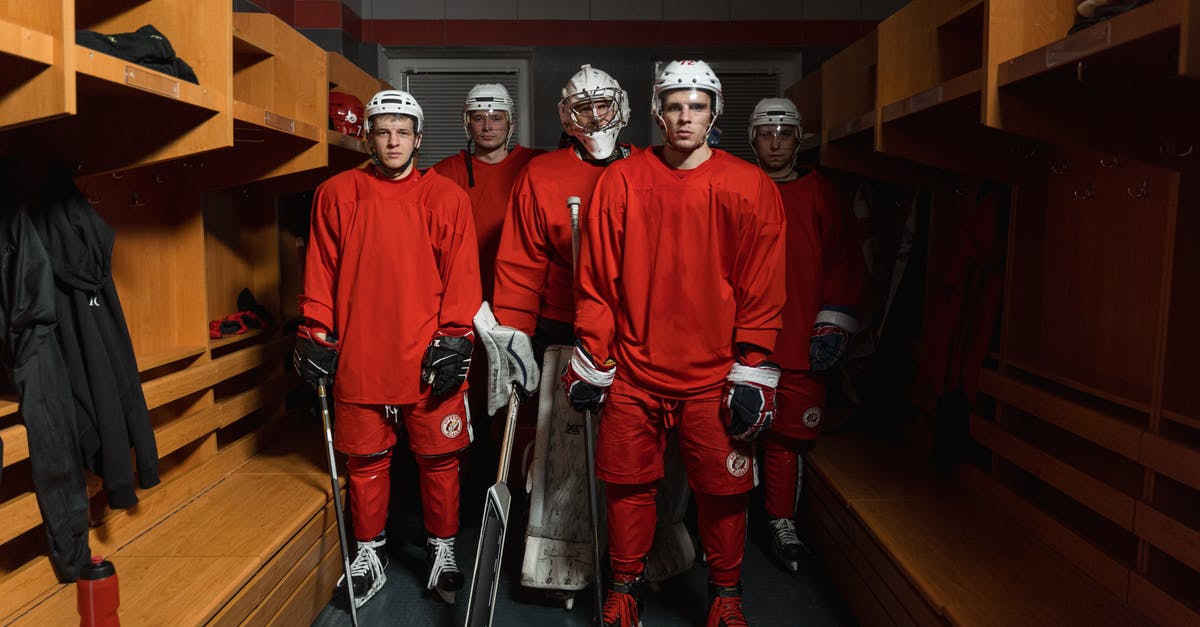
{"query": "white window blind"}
(441, 89)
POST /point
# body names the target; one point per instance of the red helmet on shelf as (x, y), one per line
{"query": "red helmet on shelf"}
(345, 113)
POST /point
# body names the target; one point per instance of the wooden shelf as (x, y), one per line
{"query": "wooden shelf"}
(9, 404)
(1143, 41)
(1086, 422)
(953, 90)
(164, 357)
(1112, 390)
(864, 122)
(234, 339)
(967, 16)
(1082, 487)
(1173, 416)
(26, 44)
(270, 124)
(109, 72)
(1181, 463)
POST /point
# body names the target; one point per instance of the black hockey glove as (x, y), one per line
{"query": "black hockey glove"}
(446, 362)
(315, 358)
(830, 338)
(586, 381)
(750, 397)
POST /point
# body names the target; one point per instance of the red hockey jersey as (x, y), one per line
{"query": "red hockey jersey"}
(389, 263)
(677, 267)
(489, 199)
(534, 271)
(824, 258)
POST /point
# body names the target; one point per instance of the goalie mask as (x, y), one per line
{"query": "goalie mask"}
(489, 97)
(593, 110)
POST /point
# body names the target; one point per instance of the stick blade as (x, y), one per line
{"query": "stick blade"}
(486, 576)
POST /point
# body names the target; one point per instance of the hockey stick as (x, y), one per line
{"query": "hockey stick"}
(337, 497)
(486, 576)
(589, 447)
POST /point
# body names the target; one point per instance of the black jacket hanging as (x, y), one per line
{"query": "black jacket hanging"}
(32, 355)
(109, 406)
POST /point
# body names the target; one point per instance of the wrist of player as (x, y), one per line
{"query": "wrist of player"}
(447, 361)
(587, 382)
(749, 399)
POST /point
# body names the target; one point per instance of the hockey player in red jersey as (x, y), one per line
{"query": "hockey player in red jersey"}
(677, 306)
(488, 167)
(391, 284)
(534, 282)
(824, 286)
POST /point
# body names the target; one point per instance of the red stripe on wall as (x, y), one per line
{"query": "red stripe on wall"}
(333, 14)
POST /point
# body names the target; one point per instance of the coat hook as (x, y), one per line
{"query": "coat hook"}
(117, 174)
(1116, 161)
(962, 192)
(1031, 153)
(94, 199)
(1061, 168)
(136, 200)
(1141, 192)
(1085, 193)
(1166, 149)
(159, 178)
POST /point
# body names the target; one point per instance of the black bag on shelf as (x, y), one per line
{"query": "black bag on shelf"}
(145, 46)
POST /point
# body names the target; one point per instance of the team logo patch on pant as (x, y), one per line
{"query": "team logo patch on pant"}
(452, 426)
(812, 417)
(737, 464)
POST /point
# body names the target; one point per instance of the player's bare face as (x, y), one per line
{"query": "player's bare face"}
(394, 141)
(489, 129)
(775, 146)
(686, 114)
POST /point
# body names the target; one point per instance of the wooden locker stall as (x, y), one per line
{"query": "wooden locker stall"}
(241, 526)
(1088, 408)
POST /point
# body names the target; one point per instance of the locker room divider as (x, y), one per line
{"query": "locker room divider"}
(189, 176)
(1090, 414)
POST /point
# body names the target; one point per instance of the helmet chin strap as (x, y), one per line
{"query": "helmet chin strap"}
(389, 172)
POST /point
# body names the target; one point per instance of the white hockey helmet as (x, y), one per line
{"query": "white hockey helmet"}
(687, 74)
(774, 112)
(488, 97)
(586, 99)
(397, 102)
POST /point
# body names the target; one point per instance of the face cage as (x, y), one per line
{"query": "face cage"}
(591, 99)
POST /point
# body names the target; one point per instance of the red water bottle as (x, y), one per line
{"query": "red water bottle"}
(97, 596)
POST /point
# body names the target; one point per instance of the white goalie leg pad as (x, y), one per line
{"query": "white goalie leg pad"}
(558, 540)
(673, 551)
(510, 359)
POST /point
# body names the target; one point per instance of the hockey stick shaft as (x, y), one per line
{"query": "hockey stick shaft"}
(573, 204)
(594, 506)
(327, 424)
(490, 552)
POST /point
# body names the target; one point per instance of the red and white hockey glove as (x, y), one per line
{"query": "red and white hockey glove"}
(750, 397)
(830, 337)
(315, 356)
(447, 361)
(586, 381)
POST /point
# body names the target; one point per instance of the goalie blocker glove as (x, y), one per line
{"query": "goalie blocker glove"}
(586, 382)
(750, 397)
(315, 358)
(446, 362)
(830, 337)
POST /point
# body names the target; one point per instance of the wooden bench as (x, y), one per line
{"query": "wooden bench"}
(906, 547)
(258, 547)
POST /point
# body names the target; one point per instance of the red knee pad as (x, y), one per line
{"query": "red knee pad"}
(369, 486)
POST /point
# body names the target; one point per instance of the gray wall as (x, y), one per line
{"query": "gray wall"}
(625, 9)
